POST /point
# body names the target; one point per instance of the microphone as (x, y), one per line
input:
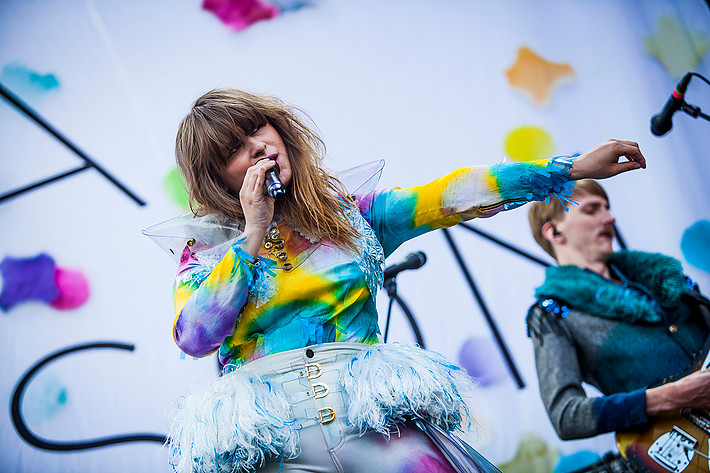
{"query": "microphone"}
(413, 261)
(274, 186)
(661, 123)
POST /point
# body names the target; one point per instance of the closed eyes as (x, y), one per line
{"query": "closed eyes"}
(256, 129)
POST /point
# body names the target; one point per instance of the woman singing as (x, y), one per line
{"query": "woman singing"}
(284, 290)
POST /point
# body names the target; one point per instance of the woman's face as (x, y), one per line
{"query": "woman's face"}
(263, 142)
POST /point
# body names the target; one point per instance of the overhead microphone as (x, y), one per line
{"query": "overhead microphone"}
(412, 261)
(662, 122)
(274, 186)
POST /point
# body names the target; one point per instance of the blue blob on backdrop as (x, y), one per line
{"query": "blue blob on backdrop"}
(576, 461)
(44, 397)
(482, 359)
(695, 245)
(26, 83)
(292, 5)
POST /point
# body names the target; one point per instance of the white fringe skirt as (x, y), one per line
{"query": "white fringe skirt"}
(256, 411)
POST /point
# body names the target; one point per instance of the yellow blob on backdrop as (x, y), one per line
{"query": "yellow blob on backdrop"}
(528, 143)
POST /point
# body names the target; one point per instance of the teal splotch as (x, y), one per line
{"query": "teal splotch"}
(44, 397)
(26, 83)
(292, 5)
(576, 461)
(695, 244)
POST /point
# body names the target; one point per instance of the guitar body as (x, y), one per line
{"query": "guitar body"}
(675, 441)
(667, 444)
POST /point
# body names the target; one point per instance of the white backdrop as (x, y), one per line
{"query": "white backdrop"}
(420, 83)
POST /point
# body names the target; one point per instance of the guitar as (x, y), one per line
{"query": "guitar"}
(675, 441)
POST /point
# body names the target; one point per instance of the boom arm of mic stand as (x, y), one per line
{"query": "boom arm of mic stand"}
(390, 286)
(693, 111)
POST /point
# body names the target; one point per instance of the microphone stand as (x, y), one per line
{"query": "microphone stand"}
(693, 111)
(390, 286)
(484, 309)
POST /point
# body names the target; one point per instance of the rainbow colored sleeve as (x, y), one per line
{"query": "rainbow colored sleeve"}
(398, 215)
(207, 303)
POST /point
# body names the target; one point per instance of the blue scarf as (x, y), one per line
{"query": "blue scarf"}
(661, 279)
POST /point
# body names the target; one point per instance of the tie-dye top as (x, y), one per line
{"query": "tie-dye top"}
(302, 292)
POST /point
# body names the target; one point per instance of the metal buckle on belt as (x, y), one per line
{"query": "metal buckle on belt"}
(327, 414)
(313, 370)
(320, 390)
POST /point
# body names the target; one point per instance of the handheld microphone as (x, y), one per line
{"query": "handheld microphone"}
(413, 261)
(662, 122)
(274, 186)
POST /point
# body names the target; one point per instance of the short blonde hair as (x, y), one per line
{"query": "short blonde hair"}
(542, 212)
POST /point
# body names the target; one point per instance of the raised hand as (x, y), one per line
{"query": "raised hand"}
(603, 161)
(257, 206)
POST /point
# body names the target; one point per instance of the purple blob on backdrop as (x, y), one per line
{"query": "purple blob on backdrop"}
(482, 359)
(27, 279)
(695, 244)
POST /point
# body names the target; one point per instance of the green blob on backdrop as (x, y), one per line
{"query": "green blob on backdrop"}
(528, 143)
(174, 187)
(679, 50)
(533, 456)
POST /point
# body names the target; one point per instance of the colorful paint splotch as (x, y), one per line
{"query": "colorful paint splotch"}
(44, 397)
(73, 289)
(695, 245)
(677, 48)
(174, 187)
(528, 143)
(535, 76)
(576, 461)
(27, 279)
(291, 5)
(533, 456)
(240, 14)
(482, 360)
(25, 82)
(39, 279)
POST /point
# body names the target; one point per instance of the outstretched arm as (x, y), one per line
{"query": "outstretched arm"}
(398, 215)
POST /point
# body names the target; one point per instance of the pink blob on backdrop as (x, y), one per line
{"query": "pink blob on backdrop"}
(73, 289)
(482, 359)
(240, 14)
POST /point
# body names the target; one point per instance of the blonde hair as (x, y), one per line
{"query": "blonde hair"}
(221, 119)
(542, 212)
